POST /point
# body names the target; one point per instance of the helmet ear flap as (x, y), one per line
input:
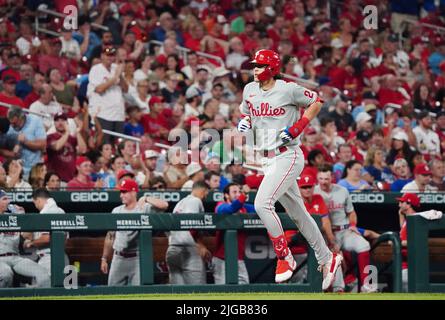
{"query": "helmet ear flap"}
(266, 74)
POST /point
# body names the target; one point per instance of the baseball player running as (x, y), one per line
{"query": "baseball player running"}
(271, 108)
(41, 240)
(11, 261)
(344, 234)
(124, 268)
(186, 252)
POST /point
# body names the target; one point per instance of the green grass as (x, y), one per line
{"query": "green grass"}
(254, 296)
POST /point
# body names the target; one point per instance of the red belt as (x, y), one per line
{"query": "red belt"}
(9, 254)
(125, 254)
(273, 153)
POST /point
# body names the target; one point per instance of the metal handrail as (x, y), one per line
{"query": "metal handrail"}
(47, 31)
(301, 80)
(9, 106)
(394, 238)
(423, 24)
(62, 15)
(185, 51)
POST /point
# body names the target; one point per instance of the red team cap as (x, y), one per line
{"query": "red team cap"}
(80, 160)
(128, 185)
(411, 198)
(306, 180)
(122, 173)
(422, 168)
(155, 99)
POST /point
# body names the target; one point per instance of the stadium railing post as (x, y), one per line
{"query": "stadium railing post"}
(418, 256)
(315, 277)
(57, 258)
(146, 257)
(231, 256)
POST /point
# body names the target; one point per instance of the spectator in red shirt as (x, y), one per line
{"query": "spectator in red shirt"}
(54, 60)
(8, 94)
(156, 122)
(62, 148)
(82, 181)
(12, 63)
(391, 92)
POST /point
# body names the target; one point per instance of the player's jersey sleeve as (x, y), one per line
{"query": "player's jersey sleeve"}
(193, 206)
(348, 203)
(300, 96)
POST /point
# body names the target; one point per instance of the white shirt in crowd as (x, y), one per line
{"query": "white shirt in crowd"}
(110, 103)
(50, 109)
(413, 187)
(427, 140)
(70, 48)
(24, 45)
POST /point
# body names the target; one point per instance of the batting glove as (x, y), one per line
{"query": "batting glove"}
(244, 125)
(285, 135)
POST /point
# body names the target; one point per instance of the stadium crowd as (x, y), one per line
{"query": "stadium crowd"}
(382, 125)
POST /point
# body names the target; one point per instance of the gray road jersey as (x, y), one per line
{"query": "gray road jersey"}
(339, 203)
(273, 110)
(128, 240)
(189, 204)
(9, 241)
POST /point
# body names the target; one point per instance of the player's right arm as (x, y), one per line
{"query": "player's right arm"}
(107, 252)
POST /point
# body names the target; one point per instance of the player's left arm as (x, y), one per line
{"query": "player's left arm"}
(41, 242)
(303, 97)
(157, 203)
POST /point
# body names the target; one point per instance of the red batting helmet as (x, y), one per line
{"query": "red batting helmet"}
(269, 58)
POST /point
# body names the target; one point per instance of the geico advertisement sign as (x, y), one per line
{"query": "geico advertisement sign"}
(368, 197)
(166, 196)
(20, 196)
(89, 196)
(432, 198)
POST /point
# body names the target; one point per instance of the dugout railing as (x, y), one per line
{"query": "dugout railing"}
(147, 224)
(418, 253)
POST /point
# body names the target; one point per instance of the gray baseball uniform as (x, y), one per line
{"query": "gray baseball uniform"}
(11, 261)
(124, 268)
(339, 204)
(44, 254)
(184, 263)
(270, 111)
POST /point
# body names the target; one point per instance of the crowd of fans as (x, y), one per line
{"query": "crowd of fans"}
(382, 125)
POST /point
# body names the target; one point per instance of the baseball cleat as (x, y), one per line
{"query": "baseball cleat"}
(285, 269)
(329, 270)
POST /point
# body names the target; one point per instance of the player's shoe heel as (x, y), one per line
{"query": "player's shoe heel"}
(285, 269)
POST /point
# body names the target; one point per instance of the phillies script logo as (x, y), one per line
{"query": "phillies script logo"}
(265, 110)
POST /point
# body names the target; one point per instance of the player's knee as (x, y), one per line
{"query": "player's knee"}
(263, 204)
(363, 246)
(43, 279)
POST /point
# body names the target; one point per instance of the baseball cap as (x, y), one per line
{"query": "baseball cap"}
(411, 198)
(155, 99)
(9, 79)
(192, 168)
(122, 173)
(80, 160)
(363, 135)
(306, 180)
(128, 185)
(150, 154)
(423, 114)
(363, 117)
(202, 67)
(60, 115)
(370, 107)
(109, 50)
(310, 130)
(192, 92)
(422, 168)
(393, 38)
(220, 72)
(400, 135)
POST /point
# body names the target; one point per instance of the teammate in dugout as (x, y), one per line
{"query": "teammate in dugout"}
(186, 254)
(10, 260)
(41, 240)
(234, 202)
(123, 245)
(344, 234)
(315, 205)
(271, 108)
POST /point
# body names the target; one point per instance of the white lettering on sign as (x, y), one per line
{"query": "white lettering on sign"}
(368, 198)
(432, 198)
(89, 197)
(258, 248)
(166, 196)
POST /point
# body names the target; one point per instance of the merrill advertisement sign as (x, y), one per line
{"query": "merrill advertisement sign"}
(205, 223)
(73, 223)
(9, 223)
(143, 222)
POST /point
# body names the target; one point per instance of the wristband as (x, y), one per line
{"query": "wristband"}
(104, 259)
(353, 224)
(298, 127)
